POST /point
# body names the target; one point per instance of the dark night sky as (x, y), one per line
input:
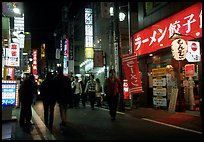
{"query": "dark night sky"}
(41, 19)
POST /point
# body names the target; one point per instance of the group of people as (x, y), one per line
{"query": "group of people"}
(67, 93)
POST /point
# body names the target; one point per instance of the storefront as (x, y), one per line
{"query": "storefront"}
(168, 83)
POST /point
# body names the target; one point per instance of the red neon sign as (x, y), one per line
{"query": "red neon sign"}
(34, 65)
(155, 37)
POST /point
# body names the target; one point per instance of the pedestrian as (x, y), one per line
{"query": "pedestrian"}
(77, 90)
(27, 90)
(112, 88)
(63, 90)
(91, 90)
(49, 99)
(98, 92)
(83, 94)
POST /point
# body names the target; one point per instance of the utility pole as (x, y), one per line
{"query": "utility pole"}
(118, 53)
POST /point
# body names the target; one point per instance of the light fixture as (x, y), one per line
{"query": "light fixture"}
(121, 16)
(16, 10)
(111, 11)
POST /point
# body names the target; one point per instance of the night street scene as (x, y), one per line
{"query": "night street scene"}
(85, 70)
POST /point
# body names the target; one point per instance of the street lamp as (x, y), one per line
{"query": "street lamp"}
(122, 18)
(118, 53)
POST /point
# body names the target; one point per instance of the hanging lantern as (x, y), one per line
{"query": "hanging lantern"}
(179, 49)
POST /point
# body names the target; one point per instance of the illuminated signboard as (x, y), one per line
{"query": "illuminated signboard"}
(34, 65)
(155, 37)
(126, 90)
(89, 32)
(12, 55)
(9, 92)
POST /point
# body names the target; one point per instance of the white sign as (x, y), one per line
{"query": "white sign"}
(19, 30)
(179, 49)
(193, 54)
(159, 101)
(12, 55)
(159, 82)
(159, 91)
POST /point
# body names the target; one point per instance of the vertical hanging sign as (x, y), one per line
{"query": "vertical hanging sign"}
(34, 65)
(132, 73)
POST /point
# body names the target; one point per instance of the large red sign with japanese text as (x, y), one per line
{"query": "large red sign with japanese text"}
(187, 22)
(132, 73)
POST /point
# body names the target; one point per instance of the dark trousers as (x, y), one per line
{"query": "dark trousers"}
(112, 104)
(83, 99)
(98, 101)
(49, 113)
(25, 113)
(92, 98)
(76, 100)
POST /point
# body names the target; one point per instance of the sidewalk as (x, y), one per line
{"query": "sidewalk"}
(188, 120)
(40, 132)
(11, 130)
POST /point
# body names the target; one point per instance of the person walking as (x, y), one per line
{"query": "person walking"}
(91, 90)
(77, 90)
(112, 88)
(27, 90)
(49, 99)
(83, 94)
(63, 90)
(98, 92)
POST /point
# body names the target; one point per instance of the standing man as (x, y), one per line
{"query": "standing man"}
(112, 88)
(64, 91)
(27, 90)
(49, 99)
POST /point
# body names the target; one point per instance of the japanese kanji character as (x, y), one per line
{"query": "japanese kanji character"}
(13, 53)
(189, 21)
(13, 46)
(174, 28)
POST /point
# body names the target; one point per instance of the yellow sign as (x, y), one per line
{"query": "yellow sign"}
(43, 50)
(89, 52)
(159, 72)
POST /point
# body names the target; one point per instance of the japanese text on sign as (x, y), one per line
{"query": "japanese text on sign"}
(188, 21)
(132, 73)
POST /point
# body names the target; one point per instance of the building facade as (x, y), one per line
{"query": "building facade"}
(161, 72)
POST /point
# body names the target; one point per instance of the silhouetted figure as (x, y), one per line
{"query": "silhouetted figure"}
(83, 94)
(112, 88)
(49, 98)
(98, 92)
(27, 90)
(91, 90)
(77, 90)
(63, 91)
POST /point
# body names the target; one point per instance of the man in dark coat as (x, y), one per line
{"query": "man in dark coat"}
(27, 90)
(49, 99)
(64, 91)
